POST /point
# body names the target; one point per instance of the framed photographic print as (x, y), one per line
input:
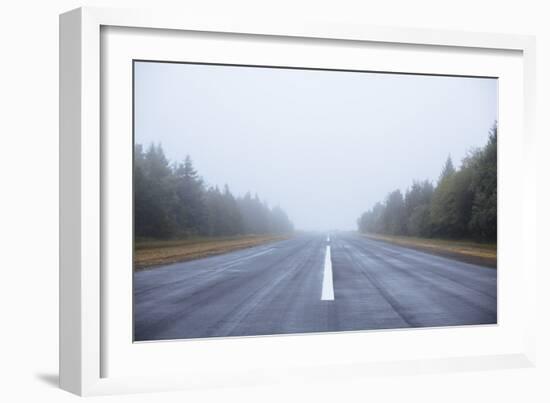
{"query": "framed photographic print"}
(210, 262)
(247, 202)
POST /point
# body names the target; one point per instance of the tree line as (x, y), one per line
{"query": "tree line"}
(462, 204)
(171, 200)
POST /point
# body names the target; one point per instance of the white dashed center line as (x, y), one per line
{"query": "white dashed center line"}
(328, 287)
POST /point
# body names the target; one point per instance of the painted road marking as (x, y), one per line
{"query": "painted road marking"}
(240, 260)
(328, 288)
(328, 238)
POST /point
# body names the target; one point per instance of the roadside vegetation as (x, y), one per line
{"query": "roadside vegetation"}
(160, 252)
(174, 206)
(462, 205)
(484, 254)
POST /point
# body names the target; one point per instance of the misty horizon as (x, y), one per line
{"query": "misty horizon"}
(323, 145)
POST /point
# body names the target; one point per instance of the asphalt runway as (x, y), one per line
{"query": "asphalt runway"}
(311, 283)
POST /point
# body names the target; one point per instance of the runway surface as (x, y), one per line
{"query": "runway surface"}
(311, 283)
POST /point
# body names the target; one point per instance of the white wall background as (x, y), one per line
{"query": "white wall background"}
(29, 187)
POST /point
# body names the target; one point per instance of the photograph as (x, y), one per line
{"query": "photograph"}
(277, 200)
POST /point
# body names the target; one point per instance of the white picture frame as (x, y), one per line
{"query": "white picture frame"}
(85, 344)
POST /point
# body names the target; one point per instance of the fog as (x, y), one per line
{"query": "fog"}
(324, 145)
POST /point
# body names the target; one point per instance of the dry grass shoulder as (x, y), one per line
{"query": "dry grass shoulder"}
(471, 252)
(157, 253)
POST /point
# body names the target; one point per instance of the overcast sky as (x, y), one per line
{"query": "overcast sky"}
(323, 145)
